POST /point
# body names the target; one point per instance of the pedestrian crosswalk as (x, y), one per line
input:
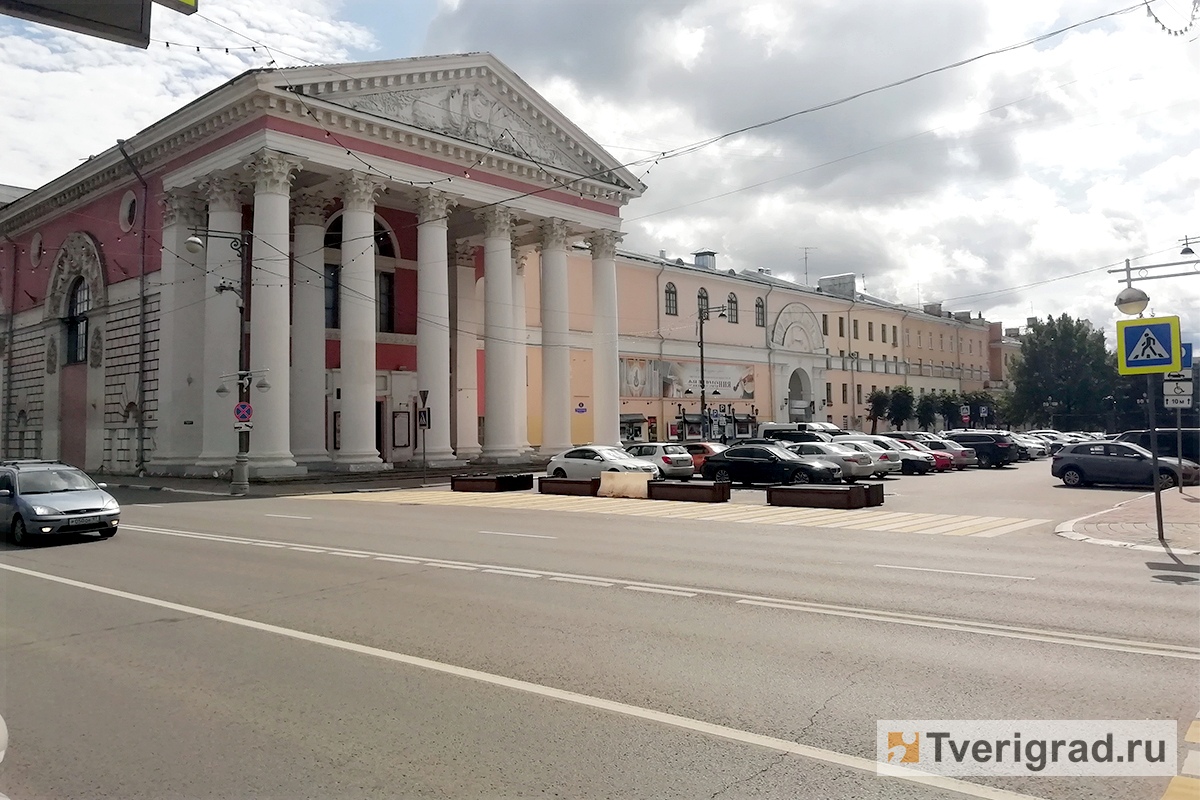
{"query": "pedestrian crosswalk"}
(744, 513)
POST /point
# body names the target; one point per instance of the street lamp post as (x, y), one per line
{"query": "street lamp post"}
(239, 483)
(705, 427)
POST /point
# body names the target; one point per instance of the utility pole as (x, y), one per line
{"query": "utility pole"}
(806, 249)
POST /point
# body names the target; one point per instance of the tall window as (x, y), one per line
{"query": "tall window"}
(855, 324)
(387, 302)
(895, 340)
(828, 394)
(845, 393)
(941, 341)
(731, 309)
(858, 394)
(883, 333)
(78, 305)
(841, 327)
(671, 300)
(702, 302)
(384, 246)
(870, 331)
(333, 306)
(760, 313)
(824, 324)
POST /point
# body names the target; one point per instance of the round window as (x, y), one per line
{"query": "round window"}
(129, 210)
(37, 248)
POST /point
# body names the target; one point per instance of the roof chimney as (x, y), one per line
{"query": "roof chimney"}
(706, 259)
(839, 285)
(764, 271)
(662, 253)
(1012, 333)
(933, 309)
(962, 316)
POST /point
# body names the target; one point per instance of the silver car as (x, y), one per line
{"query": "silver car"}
(963, 456)
(883, 461)
(854, 464)
(589, 461)
(673, 460)
(51, 498)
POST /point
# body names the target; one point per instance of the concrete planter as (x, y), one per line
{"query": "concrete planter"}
(690, 492)
(845, 497)
(490, 483)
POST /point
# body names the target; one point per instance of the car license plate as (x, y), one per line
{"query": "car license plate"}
(83, 521)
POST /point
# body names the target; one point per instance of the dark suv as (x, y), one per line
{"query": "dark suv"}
(1168, 441)
(993, 448)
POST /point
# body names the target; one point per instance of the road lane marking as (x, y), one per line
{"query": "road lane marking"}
(1065, 638)
(306, 549)
(512, 573)
(526, 535)
(581, 581)
(266, 544)
(674, 592)
(1193, 732)
(957, 572)
(144, 505)
(1191, 763)
(348, 555)
(1181, 788)
(1016, 526)
(286, 516)
(726, 732)
(398, 560)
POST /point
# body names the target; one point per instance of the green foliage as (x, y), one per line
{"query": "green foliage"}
(948, 409)
(927, 411)
(900, 409)
(878, 402)
(1063, 360)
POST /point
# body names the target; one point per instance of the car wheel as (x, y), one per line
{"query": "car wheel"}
(906, 468)
(559, 472)
(851, 479)
(1072, 477)
(18, 533)
(1166, 480)
(985, 461)
(799, 476)
(721, 476)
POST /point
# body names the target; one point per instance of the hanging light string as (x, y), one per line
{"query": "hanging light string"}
(1170, 31)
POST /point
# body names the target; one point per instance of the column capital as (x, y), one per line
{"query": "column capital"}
(360, 191)
(554, 234)
(604, 243)
(273, 172)
(309, 206)
(464, 253)
(434, 205)
(518, 257)
(224, 192)
(182, 207)
(498, 221)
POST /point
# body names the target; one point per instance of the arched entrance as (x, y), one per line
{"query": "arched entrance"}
(800, 399)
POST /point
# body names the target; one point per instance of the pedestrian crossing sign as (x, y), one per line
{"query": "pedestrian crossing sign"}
(1148, 345)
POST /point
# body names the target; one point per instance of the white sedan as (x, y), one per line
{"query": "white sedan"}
(883, 461)
(591, 460)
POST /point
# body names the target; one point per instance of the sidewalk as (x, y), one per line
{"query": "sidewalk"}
(1132, 523)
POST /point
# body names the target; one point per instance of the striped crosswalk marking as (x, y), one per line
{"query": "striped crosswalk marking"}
(1186, 785)
(745, 513)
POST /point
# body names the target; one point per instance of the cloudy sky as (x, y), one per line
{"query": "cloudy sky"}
(1007, 185)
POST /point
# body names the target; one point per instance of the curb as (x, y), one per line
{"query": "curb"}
(1067, 531)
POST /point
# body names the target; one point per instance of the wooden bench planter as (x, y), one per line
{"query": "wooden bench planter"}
(690, 492)
(491, 483)
(580, 487)
(874, 493)
(838, 496)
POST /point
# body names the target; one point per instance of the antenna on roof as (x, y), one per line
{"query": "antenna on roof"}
(806, 249)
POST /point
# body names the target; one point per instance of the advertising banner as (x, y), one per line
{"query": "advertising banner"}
(648, 377)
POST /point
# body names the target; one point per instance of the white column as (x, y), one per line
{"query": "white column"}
(358, 319)
(181, 281)
(270, 307)
(606, 400)
(308, 330)
(433, 322)
(521, 348)
(222, 320)
(556, 348)
(499, 417)
(466, 358)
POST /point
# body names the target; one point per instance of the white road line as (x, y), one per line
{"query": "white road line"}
(306, 549)
(285, 516)
(956, 572)
(525, 535)
(348, 555)
(660, 591)
(589, 701)
(397, 560)
(1059, 637)
(1016, 526)
(144, 505)
(512, 573)
(582, 582)
(266, 544)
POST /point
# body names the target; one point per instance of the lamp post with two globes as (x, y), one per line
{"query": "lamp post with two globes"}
(239, 482)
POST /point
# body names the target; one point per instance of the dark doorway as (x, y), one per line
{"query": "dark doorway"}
(379, 430)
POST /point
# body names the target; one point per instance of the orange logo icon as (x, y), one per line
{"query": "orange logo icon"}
(903, 748)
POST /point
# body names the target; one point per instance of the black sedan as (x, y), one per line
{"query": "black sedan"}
(767, 463)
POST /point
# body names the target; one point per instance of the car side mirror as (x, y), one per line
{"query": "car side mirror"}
(5, 493)
(102, 485)
(597, 458)
(772, 458)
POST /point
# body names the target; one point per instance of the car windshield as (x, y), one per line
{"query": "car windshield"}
(612, 454)
(55, 480)
(675, 450)
(839, 449)
(866, 447)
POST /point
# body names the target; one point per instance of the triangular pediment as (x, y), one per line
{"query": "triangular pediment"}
(472, 98)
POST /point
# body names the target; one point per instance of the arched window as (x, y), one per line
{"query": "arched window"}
(760, 313)
(78, 304)
(731, 309)
(671, 300)
(384, 246)
(702, 302)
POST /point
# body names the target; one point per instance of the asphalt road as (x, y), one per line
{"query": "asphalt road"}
(356, 646)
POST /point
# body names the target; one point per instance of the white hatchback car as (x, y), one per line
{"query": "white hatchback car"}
(589, 461)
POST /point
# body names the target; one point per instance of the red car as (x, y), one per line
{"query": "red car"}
(702, 450)
(942, 461)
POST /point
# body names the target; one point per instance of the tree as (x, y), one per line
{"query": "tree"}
(927, 411)
(900, 409)
(1064, 361)
(878, 402)
(948, 405)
